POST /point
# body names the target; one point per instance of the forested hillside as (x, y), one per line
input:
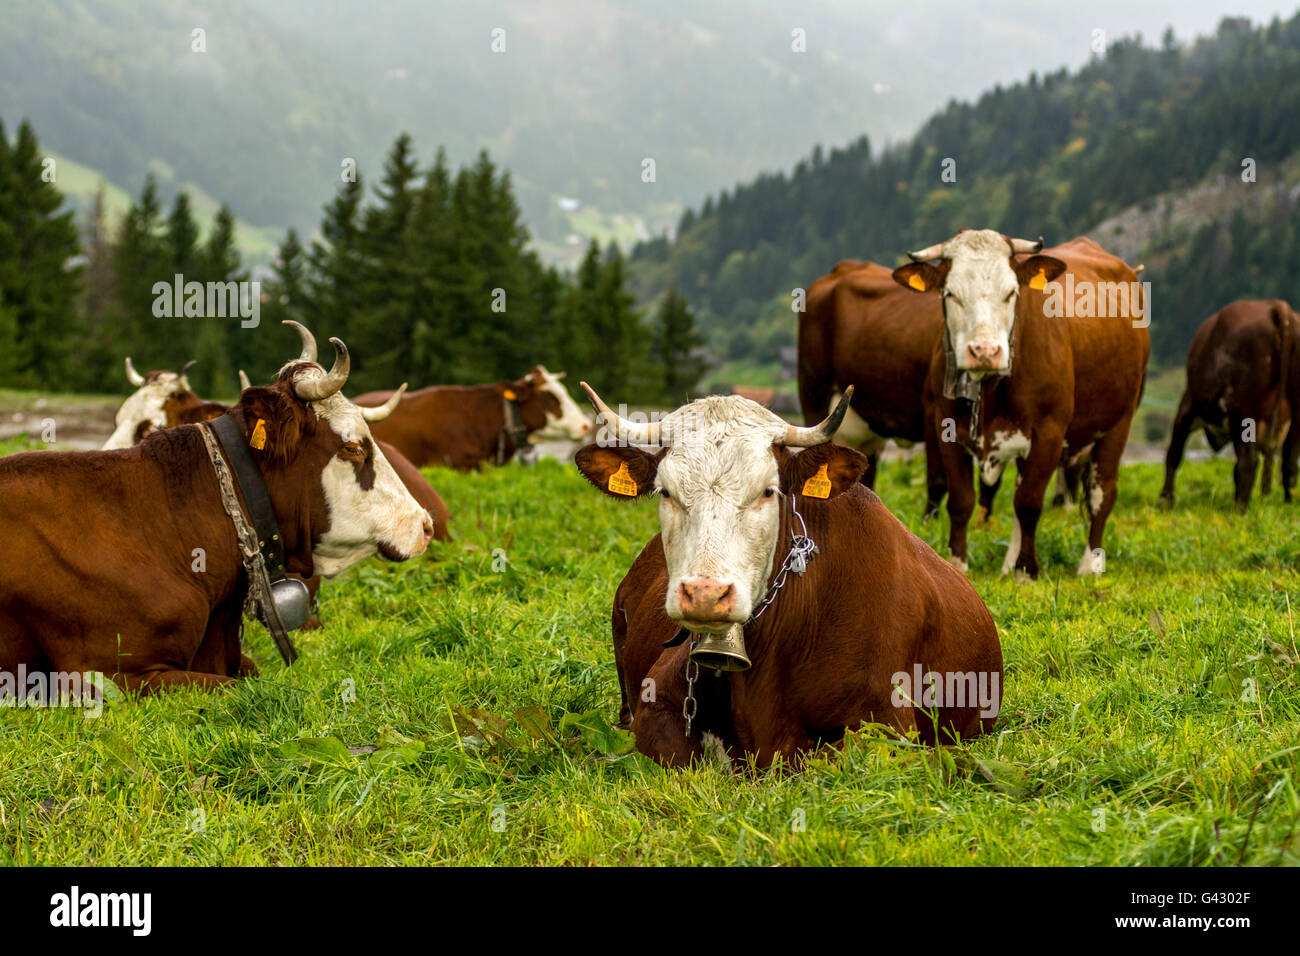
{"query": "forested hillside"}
(1053, 156)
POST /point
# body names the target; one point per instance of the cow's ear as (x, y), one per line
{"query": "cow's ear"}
(922, 276)
(1037, 271)
(822, 471)
(272, 421)
(620, 472)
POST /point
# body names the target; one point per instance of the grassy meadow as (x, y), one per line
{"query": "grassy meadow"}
(455, 709)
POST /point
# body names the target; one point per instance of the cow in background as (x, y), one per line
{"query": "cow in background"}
(1016, 381)
(463, 426)
(833, 647)
(1243, 387)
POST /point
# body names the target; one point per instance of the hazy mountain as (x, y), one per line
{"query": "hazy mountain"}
(583, 92)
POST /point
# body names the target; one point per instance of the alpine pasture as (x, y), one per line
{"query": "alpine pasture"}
(457, 709)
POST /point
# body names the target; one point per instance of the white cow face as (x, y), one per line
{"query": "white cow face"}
(723, 482)
(146, 406)
(570, 424)
(325, 472)
(981, 282)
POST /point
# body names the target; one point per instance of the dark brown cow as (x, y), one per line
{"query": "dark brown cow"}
(859, 328)
(1243, 386)
(463, 426)
(126, 562)
(845, 642)
(1047, 378)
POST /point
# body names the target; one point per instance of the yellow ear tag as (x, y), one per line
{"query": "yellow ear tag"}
(818, 486)
(621, 483)
(258, 438)
(510, 394)
(1039, 281)
(916, 282)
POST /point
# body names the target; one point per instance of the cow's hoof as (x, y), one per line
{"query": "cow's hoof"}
(247, 667)
(1024, 577)
(1165, 501)
(313, 623)
(959, 564)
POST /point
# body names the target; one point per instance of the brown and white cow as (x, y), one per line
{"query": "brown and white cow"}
(1047, 383)
(1243, 386)
(101, 567)
(835, 646)
(463, 426)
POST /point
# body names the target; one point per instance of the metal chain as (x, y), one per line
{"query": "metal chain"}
(689, 705)
(802, 548)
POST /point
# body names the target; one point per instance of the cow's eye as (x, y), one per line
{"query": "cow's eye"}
(769, 493)
(1011, 295)
(663, 493)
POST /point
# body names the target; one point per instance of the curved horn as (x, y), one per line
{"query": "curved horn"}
(316, 389)
(929, 252)
(244, 383)
(1023, 246)
(380, 412)
(797, 437)
(132, 376)
(647, 433)
(308, 341)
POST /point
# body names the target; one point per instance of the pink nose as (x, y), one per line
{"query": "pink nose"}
(704, 599)
(984, 356)
(428, 528)
(586, 428)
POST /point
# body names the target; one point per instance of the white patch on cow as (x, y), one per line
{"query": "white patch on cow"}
(980, 295)
(571, 424)
(1096, 495)
(1004, 447)
(1013, 550)
(715, 751)
(145, 404)
(717, 523)
(1092, 562)
(959, 564)
(361, 519)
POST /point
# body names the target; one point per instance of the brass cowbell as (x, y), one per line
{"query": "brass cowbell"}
(722, 652)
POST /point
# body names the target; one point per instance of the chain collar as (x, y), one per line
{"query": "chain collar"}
(802, 548)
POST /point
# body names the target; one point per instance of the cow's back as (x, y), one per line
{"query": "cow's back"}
(450, 425)
(1238, 355)
(861, 328)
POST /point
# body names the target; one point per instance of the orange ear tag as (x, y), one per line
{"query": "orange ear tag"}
(818, 486)
(510, 394)
(916, 282)
(258, 438)
(1039, 281)
(621, 483)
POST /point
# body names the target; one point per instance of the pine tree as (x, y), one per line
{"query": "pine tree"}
(140, 258)
(675, 345)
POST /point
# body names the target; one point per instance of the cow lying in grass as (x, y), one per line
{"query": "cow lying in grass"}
(846, 642)
(126, 562)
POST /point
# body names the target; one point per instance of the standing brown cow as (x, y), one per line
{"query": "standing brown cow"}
(463, 426)
(835, 636)
(1243, 386)
(1034, 371)
(100, 571)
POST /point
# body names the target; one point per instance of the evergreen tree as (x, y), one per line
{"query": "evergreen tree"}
(675, 345)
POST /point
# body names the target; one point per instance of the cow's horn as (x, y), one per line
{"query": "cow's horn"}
(380, 412)
(316, 389)
(1022, 246)
(929, 252)
(244, 383)
(132, 376)
(638, 433)
(805, 437)
(308, 341)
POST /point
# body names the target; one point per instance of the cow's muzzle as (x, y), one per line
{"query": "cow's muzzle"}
(706, 601)
(982, 357)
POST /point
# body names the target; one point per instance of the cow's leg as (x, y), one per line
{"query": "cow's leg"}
(988, 493)
(1035, 475)
(1266, 478)
(1243, 475)
(1290, 452)
(1100, 488)
(1183, 422)
(618, 630)
(159, 680)
(313, 588)
(961, 501)
(935, 484)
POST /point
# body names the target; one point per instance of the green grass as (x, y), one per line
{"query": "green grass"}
(489, 691)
